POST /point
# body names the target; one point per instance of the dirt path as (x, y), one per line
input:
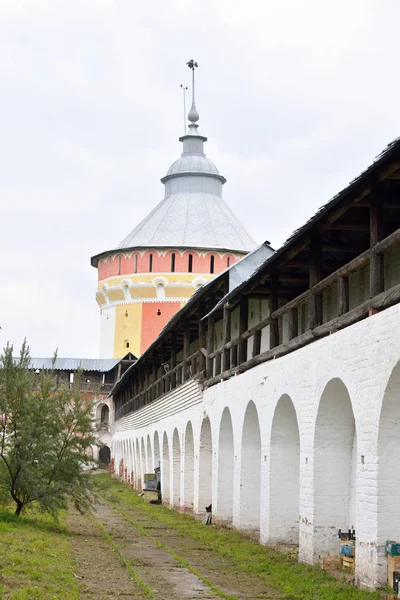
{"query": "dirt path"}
(122, 553)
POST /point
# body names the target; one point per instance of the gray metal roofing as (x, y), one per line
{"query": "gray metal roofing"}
(191, 220)
(101, 365)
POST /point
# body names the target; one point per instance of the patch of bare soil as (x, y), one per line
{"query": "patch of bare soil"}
(100, 572)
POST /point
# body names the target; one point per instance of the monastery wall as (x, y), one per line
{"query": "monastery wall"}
(296, 447)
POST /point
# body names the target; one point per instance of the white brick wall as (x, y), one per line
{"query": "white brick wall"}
(336, 386)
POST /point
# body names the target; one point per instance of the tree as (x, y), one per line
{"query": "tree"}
(45, 433)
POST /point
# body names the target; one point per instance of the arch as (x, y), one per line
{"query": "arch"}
(250, 471)
(143, 461)
(176, 469)
(104, 416)
(388, 469)
(225, 467)
(188, 470)
(149, 456)
(165, 471)
(205, 465)
(335, 451)
(156, 450)
(284, 486)
(138, 467)
(105, 455)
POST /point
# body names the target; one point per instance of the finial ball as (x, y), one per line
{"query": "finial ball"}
(192, 64)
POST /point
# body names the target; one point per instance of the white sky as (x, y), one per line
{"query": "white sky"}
(296, 98)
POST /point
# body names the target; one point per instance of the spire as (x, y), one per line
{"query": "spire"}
(193, 115)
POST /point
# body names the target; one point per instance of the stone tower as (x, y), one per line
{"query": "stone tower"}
(190, 236)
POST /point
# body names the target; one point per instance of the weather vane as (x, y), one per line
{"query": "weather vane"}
(184, 90)
(193, 114)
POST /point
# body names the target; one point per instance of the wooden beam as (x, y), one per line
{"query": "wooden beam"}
(343, 295)
(349, 226)
(186, 351)
(257, 342)
(210, 345)
(243, 326)
(346, 248)
(273, 306)
(202, 344)
(173, 359)
(315, 304)
(376, 273)
(226, 335)
(293, 323)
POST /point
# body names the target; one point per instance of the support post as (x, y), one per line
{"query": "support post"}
(273, 306)
(202, 345)
(173, 360)
(376, 282)
(343, 295)
(293, 323)
(243, 327)
(210, 345)
(315, 275)
(186, 349)
(226, 334)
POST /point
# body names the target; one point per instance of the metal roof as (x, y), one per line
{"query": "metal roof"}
(192, 220)
(102, 365)
(193, 213)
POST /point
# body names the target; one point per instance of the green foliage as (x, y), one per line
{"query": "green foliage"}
(45, 432)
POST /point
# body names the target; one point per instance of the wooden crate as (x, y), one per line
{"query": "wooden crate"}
(331, 562)
(348, 562)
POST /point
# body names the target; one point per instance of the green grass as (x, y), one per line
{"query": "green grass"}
(276, 569)
(35, 558)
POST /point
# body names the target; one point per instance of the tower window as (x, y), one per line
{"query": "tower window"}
(228, 261)
(126, 344)
(135, 263)
(173, 262)
(119, 265)
(190, 263)
(150, 263)
(212, 264)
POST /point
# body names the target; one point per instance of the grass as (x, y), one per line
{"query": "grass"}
(36, 561)
(276, 569)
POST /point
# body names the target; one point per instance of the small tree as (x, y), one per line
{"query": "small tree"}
(45, 432)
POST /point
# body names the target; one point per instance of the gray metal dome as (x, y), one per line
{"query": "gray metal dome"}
(192, 163)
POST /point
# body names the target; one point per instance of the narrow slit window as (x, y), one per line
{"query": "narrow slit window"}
(211, 264)
(135, 263)
(228, 261)
(119, 265)
(150, 263)
(190, 263)
(173, 262)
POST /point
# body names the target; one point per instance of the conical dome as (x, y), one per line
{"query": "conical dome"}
(193, 213)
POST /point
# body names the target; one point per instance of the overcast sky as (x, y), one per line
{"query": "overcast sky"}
(296, 97)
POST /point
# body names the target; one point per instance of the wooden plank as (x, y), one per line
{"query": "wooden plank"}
(315, 274)
(210, 345)
(243, 326)
(202, 344)
(273, 306)
(293, 323)
(186, 350)
(343, 295)
(376, 283)
(173, 360)
(226, 335)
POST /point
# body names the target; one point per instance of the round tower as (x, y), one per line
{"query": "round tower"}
(189, 237)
